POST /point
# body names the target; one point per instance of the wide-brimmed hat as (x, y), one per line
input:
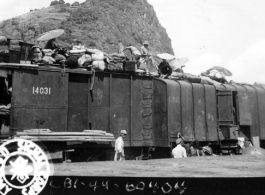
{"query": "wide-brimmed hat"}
(179, 140)
(145, 43)
(166, 56)
(124, 132)
(51, 35)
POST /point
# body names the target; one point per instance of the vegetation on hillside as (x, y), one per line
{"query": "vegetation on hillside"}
(97, 23)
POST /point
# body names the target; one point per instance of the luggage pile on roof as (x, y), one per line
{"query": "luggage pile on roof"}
(128, 59)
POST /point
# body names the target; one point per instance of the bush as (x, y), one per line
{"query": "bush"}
(62, 10)
(92, 44)
(61, 2)
(54, 3)
(76, 3)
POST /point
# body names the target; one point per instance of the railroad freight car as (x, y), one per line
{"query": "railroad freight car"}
(154, 111)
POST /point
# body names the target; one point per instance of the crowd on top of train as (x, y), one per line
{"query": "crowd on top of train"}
(162, 65)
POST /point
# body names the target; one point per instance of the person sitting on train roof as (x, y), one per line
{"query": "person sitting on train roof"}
(165, 69)
(51, 44)
(179, 151)
(37, 54)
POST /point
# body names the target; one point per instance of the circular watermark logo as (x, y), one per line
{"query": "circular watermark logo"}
(23, 166)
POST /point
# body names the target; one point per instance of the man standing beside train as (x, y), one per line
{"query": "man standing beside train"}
(179, 151)
(119, 147)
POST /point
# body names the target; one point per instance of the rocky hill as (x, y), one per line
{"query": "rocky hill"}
(97, 23)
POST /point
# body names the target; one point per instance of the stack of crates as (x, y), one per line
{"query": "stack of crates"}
(16, 51)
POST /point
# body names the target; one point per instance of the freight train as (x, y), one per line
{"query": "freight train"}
(154, 111)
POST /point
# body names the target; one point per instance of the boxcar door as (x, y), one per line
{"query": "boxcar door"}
(226, 108)
(39, 100)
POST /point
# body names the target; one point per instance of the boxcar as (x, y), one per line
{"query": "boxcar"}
(154, 111)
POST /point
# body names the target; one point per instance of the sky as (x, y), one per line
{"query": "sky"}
(227, 33)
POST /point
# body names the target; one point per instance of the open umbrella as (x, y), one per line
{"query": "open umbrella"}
(177, 62)
(223, 70)
(51, 35)
(166, 56)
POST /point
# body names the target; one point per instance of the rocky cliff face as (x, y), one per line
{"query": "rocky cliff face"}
(97, 23)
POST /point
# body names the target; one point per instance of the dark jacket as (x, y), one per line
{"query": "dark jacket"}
(51, 45)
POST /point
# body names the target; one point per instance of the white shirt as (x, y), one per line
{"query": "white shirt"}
(119, 145)
(179, 152)
(144, 50)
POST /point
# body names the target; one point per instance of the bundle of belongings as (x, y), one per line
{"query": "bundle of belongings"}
(127, 59)
(143, 64)
(211, 77)
(171, 68)
(48, 56)
(83, 57)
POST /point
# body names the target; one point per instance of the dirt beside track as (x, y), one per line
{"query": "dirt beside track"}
(210, 166)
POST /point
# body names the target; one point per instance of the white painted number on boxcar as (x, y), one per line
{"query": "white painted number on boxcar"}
(41, 90)
(174, 99)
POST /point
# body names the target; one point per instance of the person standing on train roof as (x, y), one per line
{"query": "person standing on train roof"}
(119, 146)
(147, 58)
(145, 49)
(179, 151)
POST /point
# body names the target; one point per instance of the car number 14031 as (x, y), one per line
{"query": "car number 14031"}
(41, 90)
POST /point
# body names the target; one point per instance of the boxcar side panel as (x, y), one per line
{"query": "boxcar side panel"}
(187, 110)
(199, 112)
(174, 110)
(100, 118)
(211, 112)
(33, 87)
(100, 95)
(120, 119)
(77, 102)
(261, 109)
(245, 117)
(120, 106)
(39, 98)
(160, 117)
(99, 102)
(25, 118)
(225, 107)
(142, 92)
(254, 111)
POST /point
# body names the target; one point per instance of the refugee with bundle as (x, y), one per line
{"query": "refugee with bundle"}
(119, 146)
(179, 151)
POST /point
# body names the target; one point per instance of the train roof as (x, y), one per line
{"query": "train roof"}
(57, 68)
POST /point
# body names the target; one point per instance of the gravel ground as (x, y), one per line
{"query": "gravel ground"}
(210, 166)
